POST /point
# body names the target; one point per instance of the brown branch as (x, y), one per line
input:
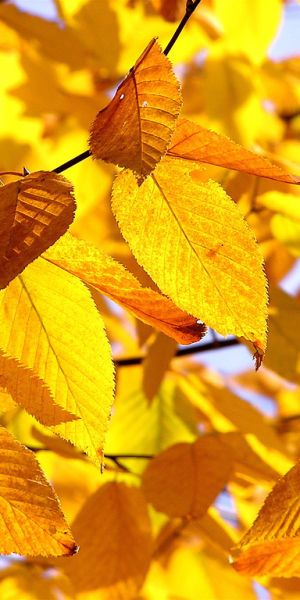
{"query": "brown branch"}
(190, 8)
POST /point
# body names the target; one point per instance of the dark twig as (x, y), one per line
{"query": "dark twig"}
(190, 8)
(215, 345)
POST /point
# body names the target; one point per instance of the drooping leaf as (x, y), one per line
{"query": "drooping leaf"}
(111, 278)
(113, 531)
(134, 130)
(50, 326)
(185, 479)
(198, 249)
(35, 211)
(32, 522)
(193, 142)
(171, 10)
(272, 544)
(156, 363)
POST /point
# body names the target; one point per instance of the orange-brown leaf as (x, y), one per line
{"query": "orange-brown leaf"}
(34, 212)
(185, 479)
(112, 279)
(135, 129)
(32, 522)
(272, 545)
(171, 10)
(193, 142)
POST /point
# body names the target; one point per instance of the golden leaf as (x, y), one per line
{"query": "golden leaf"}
(35, 212)
(135, 129)
(113, 531)
(171, 10)
(51, 328)
(112, 279)
(185, 479)
(272, 544)
(193, 142)
(192, 240)
(156, 363)
(32, 522)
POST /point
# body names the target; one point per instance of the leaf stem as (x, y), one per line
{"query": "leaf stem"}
(190, 8)
(215, 345)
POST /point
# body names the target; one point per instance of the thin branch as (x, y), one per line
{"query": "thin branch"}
(15, 173)
(190, 8)
(215, 345)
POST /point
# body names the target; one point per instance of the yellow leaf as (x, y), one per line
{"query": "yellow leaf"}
(113, 531)
(35, 212)
(204, 469)
(283, 353)
(32, 522)
(51, 328)
(287, 231)
(28, 581)
(112, 279)
(198, 249)
(193, 142)
(272, 545)
(135, 129)
(156, 363)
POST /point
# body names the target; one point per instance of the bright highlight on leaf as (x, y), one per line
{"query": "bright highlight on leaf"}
(31, 521)
(135, 129)
(191, 238)
(193, 142)
(112, 279)
(51, 328)
(185, 479)
(34, 212)
(272, 545)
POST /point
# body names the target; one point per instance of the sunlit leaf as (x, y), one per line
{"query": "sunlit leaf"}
(198, 249)
(51, 328)
(31, 520)
(134, 130)
(35, 212)
(156, 363)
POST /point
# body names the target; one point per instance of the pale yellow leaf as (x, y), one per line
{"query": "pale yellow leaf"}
(50, 325)
(185, 479)
(191, 238)
(272, 544)
(32, 522)
(134, 130)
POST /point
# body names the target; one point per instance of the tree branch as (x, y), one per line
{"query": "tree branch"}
(190, 8)
(215, 345)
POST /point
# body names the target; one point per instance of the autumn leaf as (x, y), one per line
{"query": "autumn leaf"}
(171, 10)
(198, 249)
(204, 468)
(272, 545)
(135, 129)
(113, 531)
(156, 363)
(32, 522)
(35, 211)
(193, 142)
(112, 279)
(50, 328)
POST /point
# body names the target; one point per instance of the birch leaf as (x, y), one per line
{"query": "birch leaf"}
(193, 142)
(204, 469)
(272, 545)
(192, 240)
(50, 325)
(32, 522)
(135, 129)
(112, 279)
(35, 211)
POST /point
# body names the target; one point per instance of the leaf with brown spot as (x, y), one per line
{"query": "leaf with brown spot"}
(34, 212)
(193, 142)
(135, 129)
